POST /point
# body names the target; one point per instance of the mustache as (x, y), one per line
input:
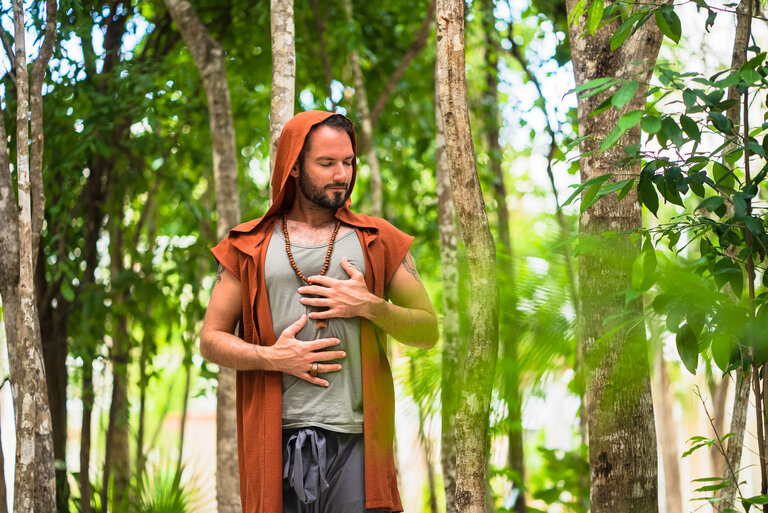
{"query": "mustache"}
(339, 184)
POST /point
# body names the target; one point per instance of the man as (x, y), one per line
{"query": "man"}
(315, 405)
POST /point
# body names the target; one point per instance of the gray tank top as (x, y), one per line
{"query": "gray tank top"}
(338, 407)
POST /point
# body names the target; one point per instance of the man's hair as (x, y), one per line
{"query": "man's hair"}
(338, 122)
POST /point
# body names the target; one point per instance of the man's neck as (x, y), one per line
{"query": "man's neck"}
(304, 211)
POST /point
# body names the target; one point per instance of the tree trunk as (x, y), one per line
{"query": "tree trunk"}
(209, 60)
(366, 143)
(735, 443)
(622, 440)
(35, 477)
(479, 365)
(119, 463)
(3, 490)
(283, 72)
(509, 340)
(743, 386)
(667, 436)
(84, 479)
(452, 346)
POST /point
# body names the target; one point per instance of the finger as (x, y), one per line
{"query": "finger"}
(328, 367)
(326, 314)
(294, 328)
(321, 343)
(323, 280)
(316, 301)
(352, 271)
(315, 381)
(325, 356)
(314, 289)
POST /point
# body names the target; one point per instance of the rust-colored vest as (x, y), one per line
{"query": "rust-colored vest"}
(259, 393)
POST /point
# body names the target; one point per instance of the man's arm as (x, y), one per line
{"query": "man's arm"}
(409, 317)
(288, 355)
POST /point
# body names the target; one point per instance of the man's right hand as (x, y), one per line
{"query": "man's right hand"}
(295, 357)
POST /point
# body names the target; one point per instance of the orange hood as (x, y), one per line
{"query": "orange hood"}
(283, 190)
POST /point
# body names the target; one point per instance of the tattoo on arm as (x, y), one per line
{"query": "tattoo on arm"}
(219, 273)
(410, 267)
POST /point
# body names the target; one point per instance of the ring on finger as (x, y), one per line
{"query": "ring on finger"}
(313, 370)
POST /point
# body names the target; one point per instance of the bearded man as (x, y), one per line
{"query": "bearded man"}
(315, 405)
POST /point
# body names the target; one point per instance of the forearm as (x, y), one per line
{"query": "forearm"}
(227, 350)
(411, 326)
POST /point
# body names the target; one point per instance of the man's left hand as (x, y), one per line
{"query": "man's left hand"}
(343, 298)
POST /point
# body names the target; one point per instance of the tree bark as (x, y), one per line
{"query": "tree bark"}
(667, 436)
(735, 443)
(479, 365)
(35, 478)
(452, 346)
(283, 72)
(367, 143)
(209, 60)
(622, 441)
(509, 341)
(84, 479)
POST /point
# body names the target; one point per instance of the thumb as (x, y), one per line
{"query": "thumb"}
(352, 271)
(296, 327)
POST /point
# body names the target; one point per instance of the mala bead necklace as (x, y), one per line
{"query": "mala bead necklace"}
(321, 323)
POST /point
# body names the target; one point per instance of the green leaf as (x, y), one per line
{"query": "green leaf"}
(710, 20)
(753, 225)
(597, 82)
(612, 138)
(739, 206)
(687, 347)
(712, 203)
(689, 99)
(722, 175)
(690, 128)
(630, 119)
(722, 347)
(646, 194)
(624, 94)
(672, 131)
(650, 124)
(721, 122)
(67, 292)
(577, 11)
(622, 33)
(669, 23)
(595, 15)
(625, 190)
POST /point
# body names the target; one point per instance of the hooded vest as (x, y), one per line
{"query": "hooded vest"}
(259, 393)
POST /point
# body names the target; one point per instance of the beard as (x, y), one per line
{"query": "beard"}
(319, 195)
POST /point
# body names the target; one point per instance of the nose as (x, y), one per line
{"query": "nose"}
(341, 172)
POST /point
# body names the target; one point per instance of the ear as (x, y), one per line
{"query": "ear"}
(295, 169)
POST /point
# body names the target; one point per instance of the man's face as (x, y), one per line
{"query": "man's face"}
(326, 172)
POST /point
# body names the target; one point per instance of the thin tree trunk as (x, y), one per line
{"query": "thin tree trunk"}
(320, 24)
(209, 60)
(120, 359)
(366, 143)
(509, 339)
(184, 405)
(35, 477)
(283, 71)
(667, 436)
(622, 440)
(85, 437)
(741, 399)
(452, 346)
(425, 443)
(480, 363)
(719, 398)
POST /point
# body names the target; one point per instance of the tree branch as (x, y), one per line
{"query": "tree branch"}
(6, 38)
(416, 46)
(36, 124)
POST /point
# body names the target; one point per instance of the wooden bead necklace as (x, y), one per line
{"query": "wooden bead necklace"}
(321, 323)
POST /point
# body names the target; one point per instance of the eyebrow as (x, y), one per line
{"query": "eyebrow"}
(331, 158)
